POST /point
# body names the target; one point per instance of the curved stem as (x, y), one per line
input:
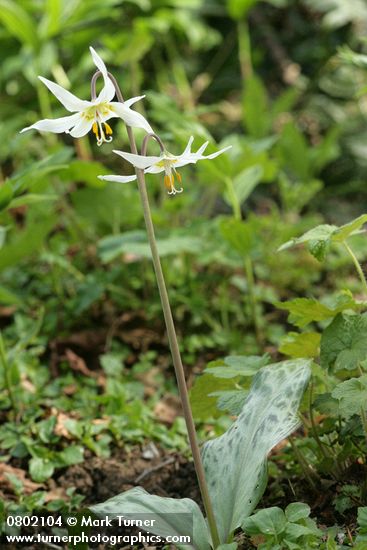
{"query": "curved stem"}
(171, 332)
(357, 265)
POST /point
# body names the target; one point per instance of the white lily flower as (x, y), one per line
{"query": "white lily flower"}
(166, 162)
(91, 115)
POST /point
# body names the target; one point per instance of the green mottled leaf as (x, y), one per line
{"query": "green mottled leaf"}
(235, 463)
(231, 401)
(344, 342)
(173, 517)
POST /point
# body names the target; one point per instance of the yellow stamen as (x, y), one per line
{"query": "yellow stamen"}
(108, 128)
(178, 176)
(168, 182)
(95, 129)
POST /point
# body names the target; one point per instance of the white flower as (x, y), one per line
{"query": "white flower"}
(91, 114)
(164, 163)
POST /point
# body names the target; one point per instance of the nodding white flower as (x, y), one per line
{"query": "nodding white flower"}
(166, 162)
(91, 115)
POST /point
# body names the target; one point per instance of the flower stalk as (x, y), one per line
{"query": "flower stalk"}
(170, 327)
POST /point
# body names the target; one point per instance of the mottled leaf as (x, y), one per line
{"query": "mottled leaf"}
(235, 463)
(172, 516)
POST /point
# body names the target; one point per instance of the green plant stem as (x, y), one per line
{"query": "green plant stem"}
(357, 265)
(5, 366)
(176, 356)
(171, 332)
(244, 49)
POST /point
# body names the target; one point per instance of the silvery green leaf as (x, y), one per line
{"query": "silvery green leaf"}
(235, 463)
(172, 516)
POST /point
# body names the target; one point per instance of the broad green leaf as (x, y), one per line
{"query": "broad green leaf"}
(18, 22)
(173, 517)
(235, 463)
(293, 151)
(31, 198)
(26, 242)
(303, 311)
(246, 181)
(135, 242)
(321, 237)
(344, 342)
(86, 172)
(343, 232)
(202, 395)
(297, 510)
(231, 546)
(241, 365)
(40, 469)
(304, 344)
(362, 524)
(352, 396)
(270, 521)
(239, 235)
(255, 108)
(6, 194)
(296, 530)
(8, 297)
(320, 233)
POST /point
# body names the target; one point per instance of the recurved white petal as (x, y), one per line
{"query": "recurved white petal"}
(187, 150)
(118, 179)
(132, 118)
(55, 125)
(201, 149)
(138, 160)
(217, 153)
(108, 91)
(98, 61)
(133, 100)
(69, 100)
(154, 169)
(81, 128)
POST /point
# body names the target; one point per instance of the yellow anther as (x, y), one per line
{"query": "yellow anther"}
(95, 129)
(178, 176)
(168, 182)
(108, 128)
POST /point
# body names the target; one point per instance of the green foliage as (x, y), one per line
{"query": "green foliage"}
(235, 462)
(173, 517)
(291, 529)
(321, 237)
(343, 343)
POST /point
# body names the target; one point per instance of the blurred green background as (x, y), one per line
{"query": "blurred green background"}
(284, 82)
